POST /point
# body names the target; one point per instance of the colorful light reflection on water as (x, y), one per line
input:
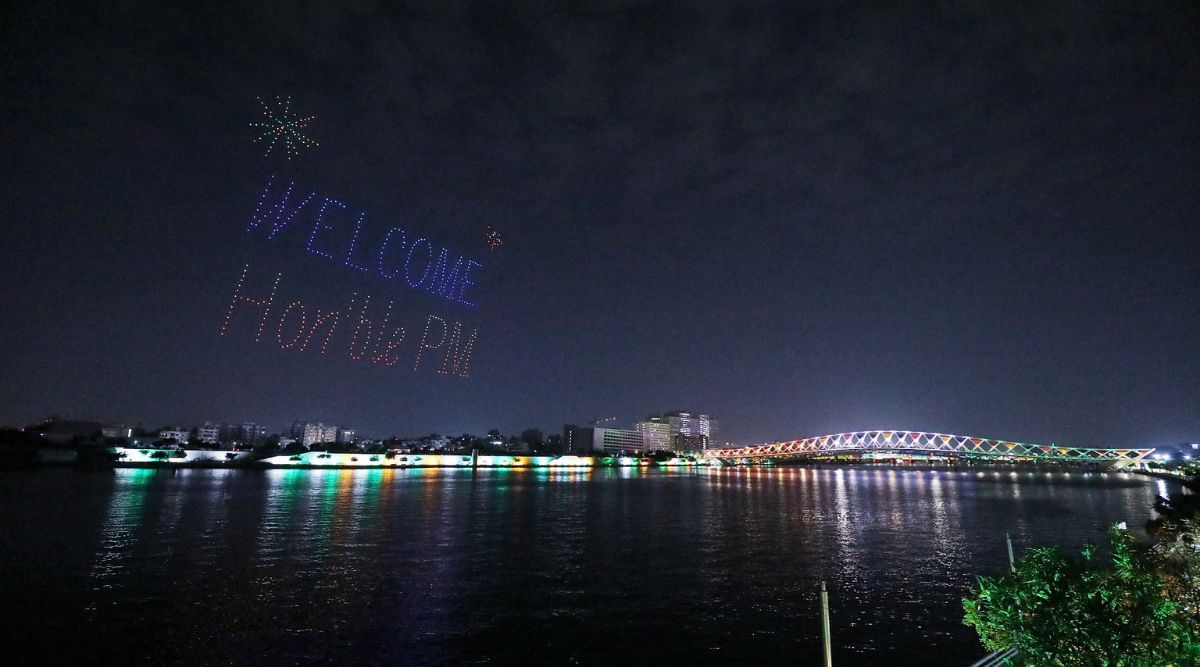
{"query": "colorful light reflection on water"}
(537, 565)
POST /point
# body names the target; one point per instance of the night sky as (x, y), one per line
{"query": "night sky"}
(801, 219)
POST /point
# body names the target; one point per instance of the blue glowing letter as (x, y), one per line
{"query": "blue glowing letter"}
(444, 278)
(319, 224)
(383, 252)
(465, 281)
(408, 262)
(277, 214)
(354, 242)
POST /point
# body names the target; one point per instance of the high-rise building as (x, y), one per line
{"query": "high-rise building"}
(656, 433)
(577, 439)
(685, 431)
(345, 436)
(617, 440)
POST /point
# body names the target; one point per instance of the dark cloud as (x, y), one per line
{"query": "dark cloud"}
(802, 217)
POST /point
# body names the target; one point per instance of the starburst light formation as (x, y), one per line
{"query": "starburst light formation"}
(280, 126)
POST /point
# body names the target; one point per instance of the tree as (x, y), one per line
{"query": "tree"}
(1061, 611)
(532, 437)
(1176, 551)
(514, 444)
(266, 449)
(1176, 556)
(1176, 507)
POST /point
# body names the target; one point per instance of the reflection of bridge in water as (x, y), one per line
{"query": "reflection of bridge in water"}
(916, 442)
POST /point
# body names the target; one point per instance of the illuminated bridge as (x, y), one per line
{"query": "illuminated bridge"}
(865, 444)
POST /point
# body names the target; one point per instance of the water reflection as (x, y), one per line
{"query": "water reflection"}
(847, 529)
(706, 566)
(126, 510)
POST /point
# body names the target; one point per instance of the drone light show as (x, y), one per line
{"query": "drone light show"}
(415, 261)
(282, 127)
(364, 331)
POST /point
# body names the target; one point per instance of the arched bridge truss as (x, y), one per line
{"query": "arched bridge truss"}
(944, 444)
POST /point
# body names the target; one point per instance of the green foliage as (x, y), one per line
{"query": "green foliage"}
(1176, 552)
(1061, 611)
(532, 437)
(1176, 556)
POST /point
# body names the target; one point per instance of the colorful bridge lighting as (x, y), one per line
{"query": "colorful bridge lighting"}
(928, 443)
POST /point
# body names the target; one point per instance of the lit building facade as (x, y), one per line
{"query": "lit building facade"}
(312, 433)
(177, 434)
(656, 434)
(617, 440)
(209, 434)
(692, 432)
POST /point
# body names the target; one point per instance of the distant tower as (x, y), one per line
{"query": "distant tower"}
(691, 432)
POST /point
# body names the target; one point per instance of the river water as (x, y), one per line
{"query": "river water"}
(549, 567)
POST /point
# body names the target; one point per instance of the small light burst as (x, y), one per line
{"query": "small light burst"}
(281, 126)
(493, 239)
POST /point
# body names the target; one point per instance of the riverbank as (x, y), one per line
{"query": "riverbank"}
(127, 457)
